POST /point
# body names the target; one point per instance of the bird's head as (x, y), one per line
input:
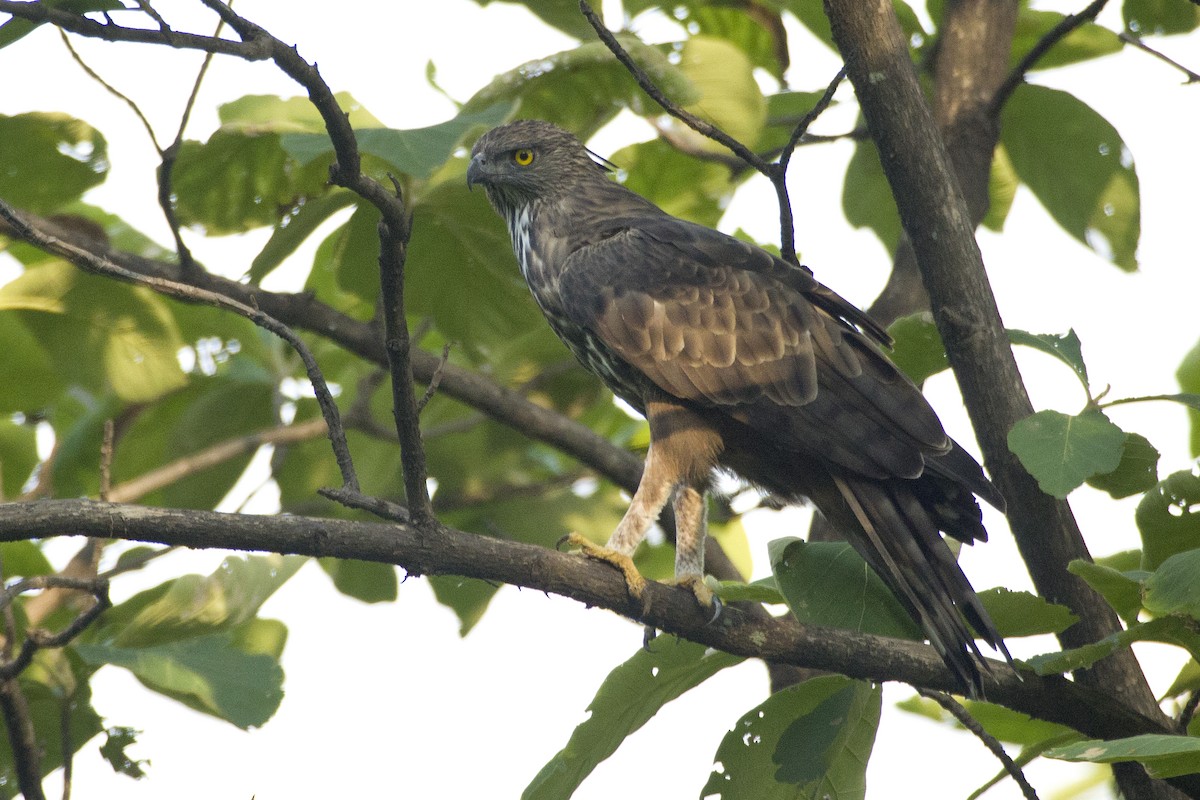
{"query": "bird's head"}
(529, 160)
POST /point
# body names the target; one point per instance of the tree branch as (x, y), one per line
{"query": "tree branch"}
(672, 609)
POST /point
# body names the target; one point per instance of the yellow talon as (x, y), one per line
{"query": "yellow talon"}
(702, 591)
(634, 581)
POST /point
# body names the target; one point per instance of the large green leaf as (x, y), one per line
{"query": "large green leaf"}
(917, 347)
(417, 152)
(867, 196)
(1062, 451)
(1122, 590)
(99, 331)
(811, 740)
(461, 272)
(1084, 42)
(1078, 167)
(49, 160)
(729, 95)
(1164, 756)
(686, 187)
(193, 606)
(629, 697)
(1168, 520)
(1017, 614)
(1159, 17)
(1137, 472)
(828, 583)
(368, 581)
(759, 36)
(583, 88)
(207, 673)
(1174, 588)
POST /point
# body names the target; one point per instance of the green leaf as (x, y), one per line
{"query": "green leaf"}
(50, 160)
(1163, 755)
(468, 598)
(763, 590)
(1167, 518)
(867, 196)
(827, 583)
(1159, 17)
(417, 152)
(1003, 723)
(1170, 630)
(262, 113)
(18, 457)
(1062, 451)
(1188, 376)
(30, 377)
(1137, 472)
(367, 581)
(756, 36)
(1002, 190)
(99, 330)
(1188, 680)
(1079, 169)
(24, 559)
(113, 751)
(814, 739)
(1066, 349)
(192, 606)
(1122, 590)
(729, 94)
(1084, 42)
(681, 185)
(583, 88)
(205, 673)
(1017, 614)
(293, 229)
(629, 697)
(1174, 588)
(917, 347)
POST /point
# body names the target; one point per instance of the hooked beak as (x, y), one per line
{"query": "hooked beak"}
(477, 171)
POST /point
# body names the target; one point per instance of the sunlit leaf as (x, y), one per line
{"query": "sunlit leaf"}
(100, 329)
(1017, 614)
(368, 581)
(917, 348)
(1002, 190)
(1062, 451)
(1079, 169)
(729, 95)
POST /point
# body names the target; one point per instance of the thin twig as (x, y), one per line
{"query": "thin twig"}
(778, 171)
(37, 639)
(102, 265)
(1129, 38)
(1056, 34)
(108, 87)
(990, 742)
(436, 380)
(684, 116)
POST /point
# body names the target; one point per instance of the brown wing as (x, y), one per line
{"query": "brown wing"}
(721, 323)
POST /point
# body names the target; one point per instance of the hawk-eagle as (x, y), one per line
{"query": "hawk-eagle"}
(740, 359)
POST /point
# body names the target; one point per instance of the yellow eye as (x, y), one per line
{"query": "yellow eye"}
(523, 157)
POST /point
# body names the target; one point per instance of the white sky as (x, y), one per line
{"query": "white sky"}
(388, 701)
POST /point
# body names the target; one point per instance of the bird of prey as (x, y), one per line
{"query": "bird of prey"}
(739, 359)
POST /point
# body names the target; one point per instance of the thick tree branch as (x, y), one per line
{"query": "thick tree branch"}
(938, 223)
(1095, 713)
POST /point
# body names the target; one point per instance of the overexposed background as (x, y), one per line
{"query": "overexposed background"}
(387, 700)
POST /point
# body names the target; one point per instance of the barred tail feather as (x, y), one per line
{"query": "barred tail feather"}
(897, 536)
